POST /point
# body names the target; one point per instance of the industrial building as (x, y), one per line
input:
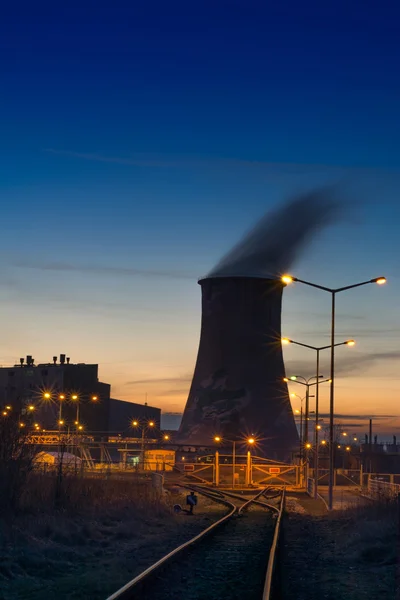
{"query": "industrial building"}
(61, 394)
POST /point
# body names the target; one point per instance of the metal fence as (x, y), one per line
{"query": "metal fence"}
(379, 489)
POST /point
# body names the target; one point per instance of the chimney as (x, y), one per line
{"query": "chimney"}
(29, 360)
(238, 383)
(394, 440)
(68, 359)
(62, 359)
(54, 360)
(21, 362)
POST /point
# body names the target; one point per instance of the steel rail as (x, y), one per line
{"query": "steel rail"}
(272, 554)
(125, 592)
(255, 501)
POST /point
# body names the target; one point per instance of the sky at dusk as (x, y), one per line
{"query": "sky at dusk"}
(139, 141)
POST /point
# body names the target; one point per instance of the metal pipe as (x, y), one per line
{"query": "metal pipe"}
(332, 408)
(233, 462)
(316, 455)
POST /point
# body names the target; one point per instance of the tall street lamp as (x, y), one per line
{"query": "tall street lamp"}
(288, 279)
(219, 439)
(300, 412)
(145, 425)
(308, 383)
(317, 349)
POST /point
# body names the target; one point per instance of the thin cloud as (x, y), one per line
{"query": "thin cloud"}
(184, 379)
(359, 417)
(101, 270)
(349, 366)
(148, 160)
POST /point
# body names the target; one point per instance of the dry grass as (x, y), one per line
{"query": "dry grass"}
(347, 555)
(80, 495)
(106, 533)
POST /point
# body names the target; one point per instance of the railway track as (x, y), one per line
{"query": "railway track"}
(231, 559)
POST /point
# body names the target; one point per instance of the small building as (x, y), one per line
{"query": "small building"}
(51, 459)
(159, 460)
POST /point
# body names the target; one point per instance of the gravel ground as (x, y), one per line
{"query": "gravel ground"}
(81, 558)
(349, 555)
(230, 564)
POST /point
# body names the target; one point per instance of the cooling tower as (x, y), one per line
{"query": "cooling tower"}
(238, 386)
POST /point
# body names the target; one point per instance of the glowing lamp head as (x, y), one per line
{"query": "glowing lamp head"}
(217, 438)
(323, 442)
(348, 448)
(308, 445)
(287, 279)
(22, 424)
(62, 397)
(94, 398)
(285, 379)
(297, 411)
(61, 422)
(286, 341)
(166, 437)
(8, 407)
(47, 395)
(5, 413)
(319, 427)
(379, 280)
(251, 441)
(151, 424)
(31, 407)
(74, 397)
(350, 343)
(80, 427)
(293, 378)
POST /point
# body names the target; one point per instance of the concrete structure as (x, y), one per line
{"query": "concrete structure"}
(238, 388)
(122, 414)
(84, 400)
(46, 385)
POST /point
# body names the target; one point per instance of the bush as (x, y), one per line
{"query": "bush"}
(16, 462)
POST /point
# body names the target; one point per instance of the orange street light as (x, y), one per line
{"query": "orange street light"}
(94, 398)
(5, 413)
(74, 397)
(61, 422)
(47, 395)
(61, 397)
(8, 407)
(80, 427)
(287, 279)
(135, 423)
(31, 407)
(151, 424)
(166, 437)
(348, 448)
(323, 442)
(251, 441)
(379, 280)
(217, 438)
(22, 424)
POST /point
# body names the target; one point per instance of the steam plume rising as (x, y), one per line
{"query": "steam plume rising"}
(270, 248)
(238, 384)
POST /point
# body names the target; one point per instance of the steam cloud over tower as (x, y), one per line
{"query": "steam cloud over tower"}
(238, 387)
